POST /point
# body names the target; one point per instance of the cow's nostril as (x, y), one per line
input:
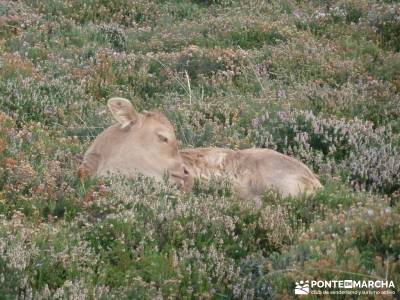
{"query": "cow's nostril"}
(185, 171)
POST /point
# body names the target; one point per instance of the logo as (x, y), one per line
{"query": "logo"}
(344, 287)
(302, 288)
(348, 284)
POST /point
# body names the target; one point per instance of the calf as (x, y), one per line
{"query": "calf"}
(146, 143)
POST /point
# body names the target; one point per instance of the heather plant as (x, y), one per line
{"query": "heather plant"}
(32, 183)
(114, 36)
(356, 150)
(147, 232)
(316, 80)
(384, 21)
(349, 248)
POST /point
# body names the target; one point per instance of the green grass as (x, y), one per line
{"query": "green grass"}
(317, 80)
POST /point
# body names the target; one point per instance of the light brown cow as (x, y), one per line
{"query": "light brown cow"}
(139, 143)
(252, 171)
(146, 143)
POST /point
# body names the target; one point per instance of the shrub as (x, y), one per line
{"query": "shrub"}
(35, 177)
(340, 246)
(115, 36)
(256, 38)
(355, 149)
(384, 19)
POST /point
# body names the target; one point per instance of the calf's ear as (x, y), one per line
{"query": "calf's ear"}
(123, 111)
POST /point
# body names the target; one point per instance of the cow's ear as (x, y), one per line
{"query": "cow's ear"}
(123, 111)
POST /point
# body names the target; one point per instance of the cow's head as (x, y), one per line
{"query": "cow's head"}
(140, 143)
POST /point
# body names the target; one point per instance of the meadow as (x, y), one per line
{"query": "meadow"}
(317, 80)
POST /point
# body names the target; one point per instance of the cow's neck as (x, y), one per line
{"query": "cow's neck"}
(207, 163)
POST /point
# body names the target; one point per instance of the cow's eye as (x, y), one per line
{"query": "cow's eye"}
(162, 138)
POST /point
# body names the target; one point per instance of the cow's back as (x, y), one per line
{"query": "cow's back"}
(266, 168)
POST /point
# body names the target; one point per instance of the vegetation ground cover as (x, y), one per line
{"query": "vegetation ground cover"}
(318, 80)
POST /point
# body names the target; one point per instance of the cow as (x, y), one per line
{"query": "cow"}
(142, 143)
(146, 143)
(252, 171)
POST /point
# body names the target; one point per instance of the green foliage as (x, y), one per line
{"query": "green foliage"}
(253, 38)
(365, 155)
(353, 13)
(390, 32)
(354, 244)
(114, 36)
(316, 80)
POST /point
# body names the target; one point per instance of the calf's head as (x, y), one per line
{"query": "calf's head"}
(139, 143)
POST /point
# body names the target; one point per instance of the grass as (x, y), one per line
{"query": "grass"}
(317, 80)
